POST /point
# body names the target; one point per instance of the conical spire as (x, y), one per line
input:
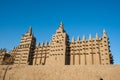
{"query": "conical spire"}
(90, 37)
(42, 44)
(61, 25)
(73, 40)
(14, 47)
(104, 33)
(78, 39)
(30, 30)
(39, 44)
(60, 29)
(46, 44)
(97, 37)
(84, 37)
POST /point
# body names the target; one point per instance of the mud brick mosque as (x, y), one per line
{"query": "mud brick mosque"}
(59, 59)
(60, 51)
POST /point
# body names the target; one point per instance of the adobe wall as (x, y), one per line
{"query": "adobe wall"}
(83, 72)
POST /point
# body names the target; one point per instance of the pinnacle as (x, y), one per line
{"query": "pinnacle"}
(30, 30)
(97, 36)
(83, 37)
(46, 43)
(42, 44)
(39, 44)
(104, 33)
(73, 40)
(90, 37)
(78, 39)
(61, 25)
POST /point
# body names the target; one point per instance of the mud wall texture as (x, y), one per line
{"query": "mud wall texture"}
(56, 72)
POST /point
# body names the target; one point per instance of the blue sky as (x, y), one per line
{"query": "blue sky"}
(80, 17)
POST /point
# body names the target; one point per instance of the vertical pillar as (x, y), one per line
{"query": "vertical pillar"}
(71, 60)
(92, 54)
(79, 59)
(82, 59)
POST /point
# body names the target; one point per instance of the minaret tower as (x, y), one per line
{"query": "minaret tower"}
(58, 50)
(26, 49)
(105, 58)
